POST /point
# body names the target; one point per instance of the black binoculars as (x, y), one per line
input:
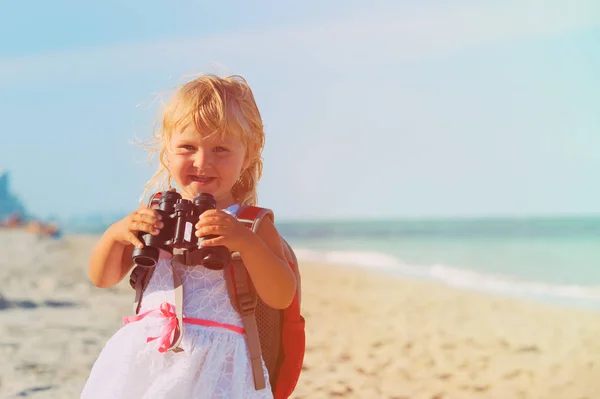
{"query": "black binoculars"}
(179, 217)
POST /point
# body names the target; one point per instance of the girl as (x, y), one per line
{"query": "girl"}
(211, 140)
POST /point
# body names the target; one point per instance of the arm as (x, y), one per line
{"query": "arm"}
(111, 257)
(110, 260)
(262, 253)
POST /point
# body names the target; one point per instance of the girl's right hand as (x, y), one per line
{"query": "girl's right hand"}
(142, 219)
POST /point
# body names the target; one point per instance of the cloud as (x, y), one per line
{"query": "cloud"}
(401, 35)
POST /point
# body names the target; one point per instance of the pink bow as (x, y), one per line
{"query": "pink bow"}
(167, 334)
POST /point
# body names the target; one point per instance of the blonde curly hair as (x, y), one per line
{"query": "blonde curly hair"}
(216, 106)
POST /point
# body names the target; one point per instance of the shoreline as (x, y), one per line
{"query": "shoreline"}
(573, 296)
(435, 283)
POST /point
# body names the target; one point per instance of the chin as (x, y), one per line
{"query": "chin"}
(197, 188)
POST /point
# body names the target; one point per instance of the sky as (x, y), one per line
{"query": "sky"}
(378, 109)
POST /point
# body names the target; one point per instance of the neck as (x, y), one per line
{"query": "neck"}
(225, 204)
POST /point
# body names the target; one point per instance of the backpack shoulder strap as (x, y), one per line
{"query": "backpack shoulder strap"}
(252, 216)
(240, 288)
(293, 343)
(242, 294)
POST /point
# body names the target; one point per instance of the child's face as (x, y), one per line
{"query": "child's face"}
(201, 164)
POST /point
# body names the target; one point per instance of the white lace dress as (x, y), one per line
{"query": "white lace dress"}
(214, 362)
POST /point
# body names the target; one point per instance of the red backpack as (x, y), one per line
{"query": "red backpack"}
(273, 335)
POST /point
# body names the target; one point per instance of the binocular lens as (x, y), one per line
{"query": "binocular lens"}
(145, 257)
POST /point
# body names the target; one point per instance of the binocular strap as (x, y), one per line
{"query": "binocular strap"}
(178, 292)
(141, 281)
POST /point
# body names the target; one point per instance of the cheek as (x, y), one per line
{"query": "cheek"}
(230, 165)
(238, 167)
(177, 165)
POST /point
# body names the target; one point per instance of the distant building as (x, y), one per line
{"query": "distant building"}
(9, 203)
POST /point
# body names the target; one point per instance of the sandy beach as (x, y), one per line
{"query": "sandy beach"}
(369, 335)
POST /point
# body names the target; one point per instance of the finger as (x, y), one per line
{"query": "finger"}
(210, 230)
(146, 218)
(144, 227)
(213, 242)
(132, 238)
(215, 218)
(212, 223)
(212, 213)
(155, 213)
(148, 213)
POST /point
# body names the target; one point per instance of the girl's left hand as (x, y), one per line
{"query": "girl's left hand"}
(231, 233)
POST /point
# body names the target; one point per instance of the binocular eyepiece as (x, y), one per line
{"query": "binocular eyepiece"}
(179, 217)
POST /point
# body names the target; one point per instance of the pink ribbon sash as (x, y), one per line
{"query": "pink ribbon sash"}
(167, 311)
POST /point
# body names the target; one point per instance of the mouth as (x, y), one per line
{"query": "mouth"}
(201, 179)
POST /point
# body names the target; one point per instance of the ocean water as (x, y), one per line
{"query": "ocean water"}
(548, 259)
(552, 259)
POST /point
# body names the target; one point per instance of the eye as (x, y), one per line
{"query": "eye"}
(188, 147)
(220, 149)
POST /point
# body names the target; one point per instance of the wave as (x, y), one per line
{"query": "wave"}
(579, 295)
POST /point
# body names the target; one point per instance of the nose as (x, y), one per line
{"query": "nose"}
(201, 159)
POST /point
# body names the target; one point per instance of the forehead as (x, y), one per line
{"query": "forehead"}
(190, 133)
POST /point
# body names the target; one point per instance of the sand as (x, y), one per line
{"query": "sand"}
(368, 335)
